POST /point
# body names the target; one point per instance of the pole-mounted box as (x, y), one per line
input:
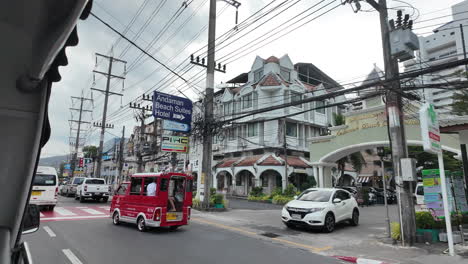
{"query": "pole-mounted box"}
(408, 169)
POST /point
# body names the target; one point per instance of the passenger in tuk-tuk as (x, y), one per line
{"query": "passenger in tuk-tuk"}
(177, 195)
(151, 188)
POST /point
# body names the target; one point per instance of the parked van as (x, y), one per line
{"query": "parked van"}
(419, 193)
(45, 188)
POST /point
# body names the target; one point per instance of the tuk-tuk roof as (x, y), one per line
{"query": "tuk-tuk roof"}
(158, 174)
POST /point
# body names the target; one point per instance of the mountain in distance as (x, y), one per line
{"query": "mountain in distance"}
(53, 161)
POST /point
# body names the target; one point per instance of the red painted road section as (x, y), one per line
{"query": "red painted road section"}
(75, 213)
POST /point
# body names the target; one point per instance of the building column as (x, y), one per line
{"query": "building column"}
(320, 176)
(315, 172)
(284, 180)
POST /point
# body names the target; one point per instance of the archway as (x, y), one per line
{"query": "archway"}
(270, 180)
(244, 183)
(224, 181)
(364, 129)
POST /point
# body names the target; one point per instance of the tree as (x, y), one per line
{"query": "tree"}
(430, 161)
(460, 102)
(339, 119)
(90, 152)
(356, 160)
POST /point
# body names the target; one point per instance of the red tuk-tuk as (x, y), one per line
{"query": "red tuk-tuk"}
(168, 204)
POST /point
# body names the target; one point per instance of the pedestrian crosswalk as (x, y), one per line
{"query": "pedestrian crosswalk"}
(75, 213)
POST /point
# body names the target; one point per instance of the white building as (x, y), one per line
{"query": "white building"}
(250, 151)
(443, 46)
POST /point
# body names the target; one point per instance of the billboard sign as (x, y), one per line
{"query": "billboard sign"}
(174, 144)
(175, 126)
(173, 108)
(430, 132)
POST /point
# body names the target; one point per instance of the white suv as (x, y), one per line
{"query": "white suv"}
(321, 207)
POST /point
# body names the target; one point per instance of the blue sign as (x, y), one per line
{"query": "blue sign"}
(173, 108)
(175, 126)
(67, 166)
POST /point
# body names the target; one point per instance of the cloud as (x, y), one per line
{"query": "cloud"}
(342, 44)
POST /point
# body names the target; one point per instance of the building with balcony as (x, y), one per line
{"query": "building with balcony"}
(444, 45)
(268, 149)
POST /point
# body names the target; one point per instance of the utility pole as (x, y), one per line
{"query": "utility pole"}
(142, 134)
(285, 148)
(396, 123)
(79, 121)
(107, 92)
(121, 155)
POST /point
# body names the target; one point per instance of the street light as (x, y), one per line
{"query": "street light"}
(381, 153)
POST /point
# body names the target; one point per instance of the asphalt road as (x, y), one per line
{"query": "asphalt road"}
(99, 241)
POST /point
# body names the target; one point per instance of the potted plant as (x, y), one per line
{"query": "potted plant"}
(218, 201)
(427, 227)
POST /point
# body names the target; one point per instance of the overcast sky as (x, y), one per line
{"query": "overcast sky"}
(341, 43)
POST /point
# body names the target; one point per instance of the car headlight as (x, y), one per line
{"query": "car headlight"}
(286, 207)
(313, 210)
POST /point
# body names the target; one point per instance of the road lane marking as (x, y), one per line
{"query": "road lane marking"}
(105, 207)
(92, 211)
(72, 257)
(281, 240)
(63, 211)
(49, 231)
(73, 217)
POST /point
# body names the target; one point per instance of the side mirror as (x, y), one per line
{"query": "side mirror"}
(337, 200)
(295, 197)
(31, 219)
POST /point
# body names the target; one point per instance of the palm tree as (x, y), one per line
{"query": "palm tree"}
(356, 160)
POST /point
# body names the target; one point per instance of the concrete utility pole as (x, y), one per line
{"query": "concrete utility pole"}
(121, 155)
(79, 121)
(285, 147)
(107, 92)
(397, 131)
(142, 134)
(208, 103)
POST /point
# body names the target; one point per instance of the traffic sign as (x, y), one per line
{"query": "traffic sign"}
(174, 108)
(175, 126)
(174, 144)
(430, 132)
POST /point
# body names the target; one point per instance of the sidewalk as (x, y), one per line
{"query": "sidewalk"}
(368, 240)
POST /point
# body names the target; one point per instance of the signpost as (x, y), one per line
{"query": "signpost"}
(175, 126)
(173, 108)
(174, 144)
(430, 134)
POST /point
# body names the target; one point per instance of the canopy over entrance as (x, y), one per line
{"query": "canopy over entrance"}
(365, 129)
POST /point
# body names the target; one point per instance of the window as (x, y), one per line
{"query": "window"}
(189, 186)
(258, 75)
(95, 181)
(122, 189)
(315, 196)
(420, 190)
(342, 195)
(135, 188)
(44, 180)
(264, 181)
(296, 97)
(452, 33)
(164, 185)
(232, 134)
(252, 130)
(291, 129)
(247, 101)
(239, 180)
(148, 181)
(320, 104)
(286, 74)
(78, 181)
(227, 108)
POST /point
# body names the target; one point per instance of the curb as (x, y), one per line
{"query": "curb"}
(359, 260)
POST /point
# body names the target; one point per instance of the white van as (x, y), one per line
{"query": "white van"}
(419, 193)
(45, 188)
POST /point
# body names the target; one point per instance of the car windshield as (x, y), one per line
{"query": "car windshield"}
(95, 181)
(315, 196)
(44, 180)
(78, 180)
